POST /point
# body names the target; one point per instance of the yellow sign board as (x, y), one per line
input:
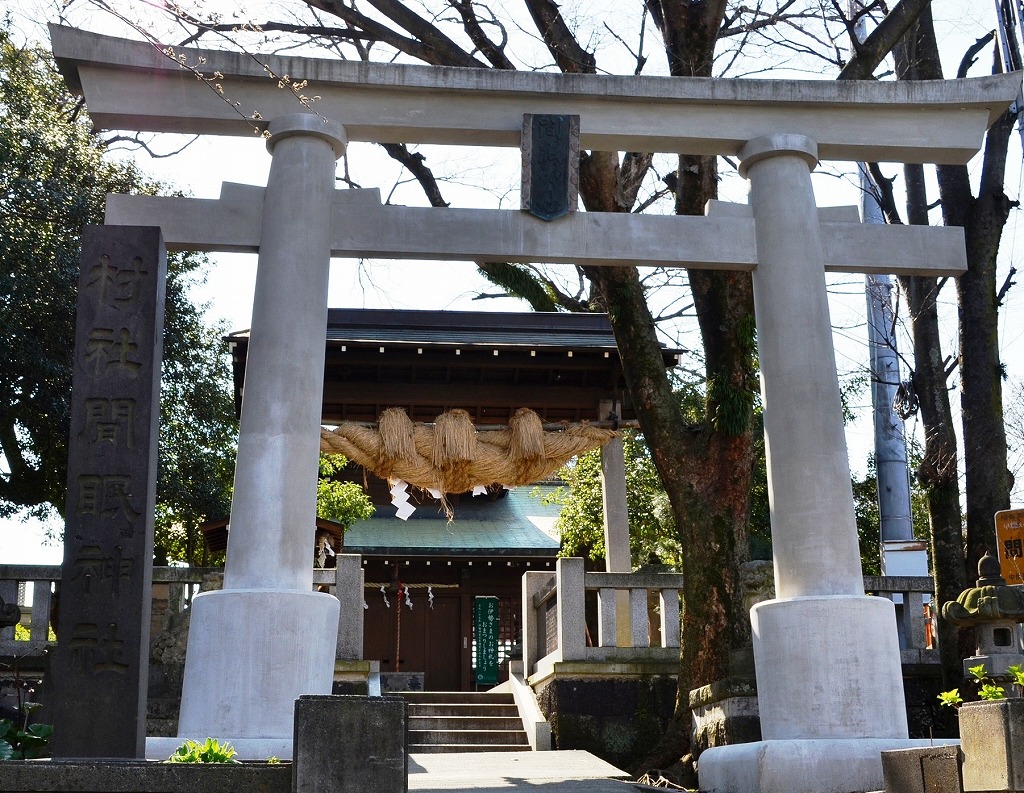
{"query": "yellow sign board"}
(1010, 539)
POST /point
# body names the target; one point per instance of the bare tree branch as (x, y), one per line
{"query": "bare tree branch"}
(567, 52)
(881, 40)
(969, 60)
(1007, 284)
(429, 44)
(495, 53)
(137, 141)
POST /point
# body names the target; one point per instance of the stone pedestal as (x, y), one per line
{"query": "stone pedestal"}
(992, 739)
(830, 687)
(798, 766)
(347, 744)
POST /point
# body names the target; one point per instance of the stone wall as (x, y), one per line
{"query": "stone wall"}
(616, 718)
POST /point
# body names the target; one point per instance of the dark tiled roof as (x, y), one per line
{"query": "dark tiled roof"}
(468, 329)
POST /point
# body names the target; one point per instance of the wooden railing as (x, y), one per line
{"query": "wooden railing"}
(345, 582)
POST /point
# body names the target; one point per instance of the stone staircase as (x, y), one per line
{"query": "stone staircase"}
(464, 721)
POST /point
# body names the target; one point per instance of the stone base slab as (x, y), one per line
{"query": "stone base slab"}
(251, 654)
(798, 766)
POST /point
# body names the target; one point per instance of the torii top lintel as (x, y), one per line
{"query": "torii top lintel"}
(134, 85)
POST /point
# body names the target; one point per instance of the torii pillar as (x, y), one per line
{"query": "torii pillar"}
(810, 722)
(275, 637)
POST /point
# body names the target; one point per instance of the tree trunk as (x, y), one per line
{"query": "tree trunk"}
(988, 485)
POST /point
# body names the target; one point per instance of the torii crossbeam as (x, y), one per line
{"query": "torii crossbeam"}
(828, 703)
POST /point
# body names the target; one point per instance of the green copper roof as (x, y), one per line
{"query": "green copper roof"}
(517, 524)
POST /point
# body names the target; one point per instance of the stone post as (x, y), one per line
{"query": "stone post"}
(810, 682)
(829, 680)
(267, 603)
(572, 620)
(616, 519)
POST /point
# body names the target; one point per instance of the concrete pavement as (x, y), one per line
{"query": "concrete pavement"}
(544, 772)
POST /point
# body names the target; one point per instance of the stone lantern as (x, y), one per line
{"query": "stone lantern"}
(994, 610)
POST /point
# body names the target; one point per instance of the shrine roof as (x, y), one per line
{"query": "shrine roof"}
(560, 365)
(516, 525)
(471, 328)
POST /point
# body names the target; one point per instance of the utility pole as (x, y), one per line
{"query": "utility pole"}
(902, 554)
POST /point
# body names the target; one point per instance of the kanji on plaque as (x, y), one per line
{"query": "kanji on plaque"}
(1010, 542)
(485, 621)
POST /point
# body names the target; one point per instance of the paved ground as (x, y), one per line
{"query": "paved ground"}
(503, 772)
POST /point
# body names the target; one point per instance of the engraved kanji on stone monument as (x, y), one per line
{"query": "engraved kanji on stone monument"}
(551, 165)
(101, 668)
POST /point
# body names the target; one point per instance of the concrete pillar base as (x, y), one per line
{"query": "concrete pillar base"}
(825, 766)
(828, 667)
(251, 654)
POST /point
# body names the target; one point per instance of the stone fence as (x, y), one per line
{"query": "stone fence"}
(555, 624)
(637, 616)
(554, 610)
(173, 587)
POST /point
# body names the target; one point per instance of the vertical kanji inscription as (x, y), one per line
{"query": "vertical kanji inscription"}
(100, 671)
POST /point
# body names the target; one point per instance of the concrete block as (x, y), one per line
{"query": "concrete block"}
(138, 776)
(346, 744)
(927, 769)
(992, 739)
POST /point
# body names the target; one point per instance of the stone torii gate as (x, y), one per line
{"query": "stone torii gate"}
(830, 697)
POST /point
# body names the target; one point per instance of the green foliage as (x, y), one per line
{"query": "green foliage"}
(1017, 672)
(951, 699)
(53, 181)
(978, 672)
(273, 760)
(212, 751)
(651, 528)
(25, 742)
(337, 500)
(990, 691)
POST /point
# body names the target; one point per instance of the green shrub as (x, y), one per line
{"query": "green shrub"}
(210, 752)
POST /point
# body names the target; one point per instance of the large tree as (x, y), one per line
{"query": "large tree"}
(956, 548)
(54, 176)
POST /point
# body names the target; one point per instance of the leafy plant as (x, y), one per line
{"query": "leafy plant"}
(26, 742)
(1017, 671)
(951, 699)
(273, 760)
(988, 689)
(212, 751)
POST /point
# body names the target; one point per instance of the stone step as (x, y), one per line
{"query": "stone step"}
(459, 722)
(461, 710)
(457, 748)
(426, 737)
(463, 697)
